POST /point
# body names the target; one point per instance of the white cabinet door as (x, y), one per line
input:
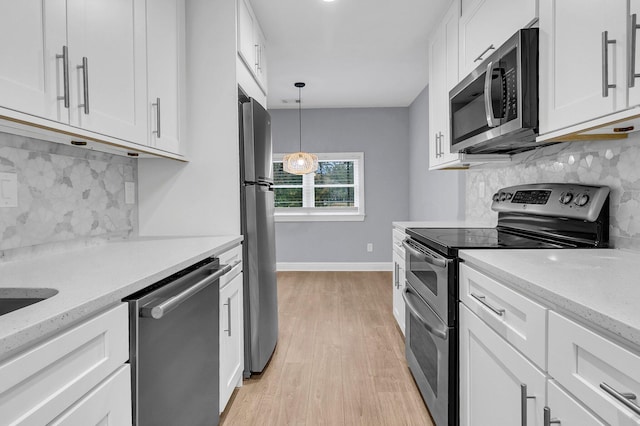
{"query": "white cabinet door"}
(487, 24)
(492, 375)
(634, 92)
(443, 73)
(109, 95)
(246, 43)
(165, 72)
(572, 61)
(108, 404)
(398, 289)
(261, 56)
(231, 338)
(31, 75)
(567, 410)
(40, 383)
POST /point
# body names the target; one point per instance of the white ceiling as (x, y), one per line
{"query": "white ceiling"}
(351, 53)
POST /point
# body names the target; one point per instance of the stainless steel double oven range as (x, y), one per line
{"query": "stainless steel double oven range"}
(535, 216)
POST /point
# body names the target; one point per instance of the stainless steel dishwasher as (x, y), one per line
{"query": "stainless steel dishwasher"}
(174, 348)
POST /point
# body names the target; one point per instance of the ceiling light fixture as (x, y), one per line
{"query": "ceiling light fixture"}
(300, 163)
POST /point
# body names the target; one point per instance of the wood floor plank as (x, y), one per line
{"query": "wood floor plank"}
(339, 360)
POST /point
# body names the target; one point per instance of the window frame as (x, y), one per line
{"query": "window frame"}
(320, 214)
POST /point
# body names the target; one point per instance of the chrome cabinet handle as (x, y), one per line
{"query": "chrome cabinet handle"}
(605, 64)
(632, 35)
(437, 145)
(440, 146)
(65, 75)
(441, 263)
(482, 299)
(548, 421)
(624, 398)
(479, 58)
(397, 272)
(491, 120)
(523, 401)
(438, 332)
(160, 309)
(228, 305)
(157, 105)
(85, 83)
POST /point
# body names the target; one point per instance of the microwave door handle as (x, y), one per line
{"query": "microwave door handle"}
(425, 257)
(438, 332)
(492, 121)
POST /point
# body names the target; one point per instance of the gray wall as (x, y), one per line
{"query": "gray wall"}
(434, 195)
(383, 135)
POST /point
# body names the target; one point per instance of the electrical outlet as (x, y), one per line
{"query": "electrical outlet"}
(369, 247)
(8, 190)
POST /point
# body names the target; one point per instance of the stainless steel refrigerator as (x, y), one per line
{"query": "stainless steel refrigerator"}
(258, 228)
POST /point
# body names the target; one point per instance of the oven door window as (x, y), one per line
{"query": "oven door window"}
(425, 350)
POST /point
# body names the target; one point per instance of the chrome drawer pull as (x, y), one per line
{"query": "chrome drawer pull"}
(523, 403)
(605, 64)
(481, 299)
(624, 398)
(548, 421)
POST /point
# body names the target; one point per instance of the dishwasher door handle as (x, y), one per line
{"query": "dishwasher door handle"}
(159, 309)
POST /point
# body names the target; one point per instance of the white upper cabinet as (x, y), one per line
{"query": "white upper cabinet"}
(34, 34)
(578, 81)
(486, 24)
(165, 73)
(107, 67)
(252, 46)
(443, 72)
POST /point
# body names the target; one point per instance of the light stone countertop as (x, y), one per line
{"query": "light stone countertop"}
(89, 280)
(402, 226)
(598, 286)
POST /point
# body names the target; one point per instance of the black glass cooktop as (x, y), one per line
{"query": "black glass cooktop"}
(449, 240)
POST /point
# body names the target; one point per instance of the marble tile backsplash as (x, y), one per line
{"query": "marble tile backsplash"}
(612, 163)
(65, 195)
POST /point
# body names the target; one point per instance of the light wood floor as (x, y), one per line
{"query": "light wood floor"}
(339, 359)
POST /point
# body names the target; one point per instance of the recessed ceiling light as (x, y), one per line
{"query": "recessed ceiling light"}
(328, 1)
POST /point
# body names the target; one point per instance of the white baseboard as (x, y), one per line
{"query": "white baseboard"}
(334, 266)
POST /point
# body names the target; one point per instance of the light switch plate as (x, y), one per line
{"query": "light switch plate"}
(129, 193)
(8, 189)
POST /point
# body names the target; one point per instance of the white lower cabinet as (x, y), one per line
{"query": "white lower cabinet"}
(498, 385)
(563, 408)
(39, 385)
(231, 326)
(399, 277)
(504, 343)
(597, 371)
(108, 404)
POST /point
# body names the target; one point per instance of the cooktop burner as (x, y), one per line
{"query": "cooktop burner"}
(449, 240)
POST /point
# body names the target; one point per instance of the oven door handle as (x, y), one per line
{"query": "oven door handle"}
(438, 332)
(429, 258)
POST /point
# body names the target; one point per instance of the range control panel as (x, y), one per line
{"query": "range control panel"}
(556, 199)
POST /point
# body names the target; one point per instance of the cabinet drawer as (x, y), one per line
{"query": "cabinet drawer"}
(231, 257)
(567, 410)
(109, 403)
(398, 238)
(39, 384)
(521, 321)
(583, 362)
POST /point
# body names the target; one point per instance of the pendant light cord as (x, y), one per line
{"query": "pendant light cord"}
(300, 114)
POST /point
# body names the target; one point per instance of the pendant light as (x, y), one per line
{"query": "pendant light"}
(300, 163)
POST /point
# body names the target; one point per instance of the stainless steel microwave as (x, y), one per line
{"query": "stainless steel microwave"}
(495, 108)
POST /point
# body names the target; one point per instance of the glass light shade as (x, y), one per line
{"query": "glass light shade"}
(300, 163)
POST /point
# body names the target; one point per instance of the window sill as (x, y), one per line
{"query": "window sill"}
(319, 217)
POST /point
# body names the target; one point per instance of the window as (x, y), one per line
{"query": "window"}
(334, 192)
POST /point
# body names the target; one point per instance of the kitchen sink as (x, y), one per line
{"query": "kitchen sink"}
(12, 299)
